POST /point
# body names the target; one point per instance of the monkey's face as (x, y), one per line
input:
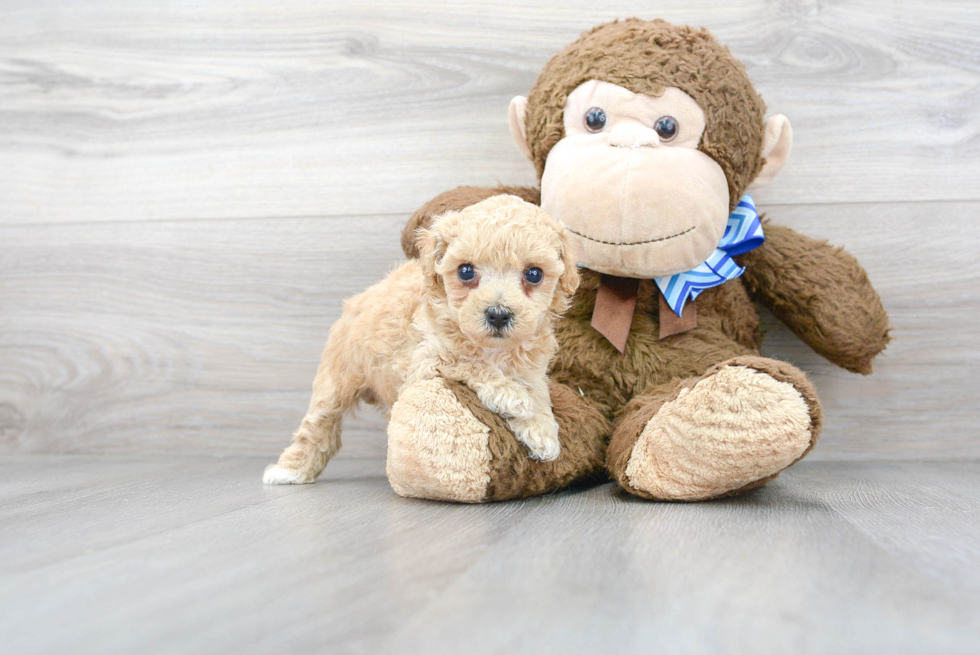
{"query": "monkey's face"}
(630, 184)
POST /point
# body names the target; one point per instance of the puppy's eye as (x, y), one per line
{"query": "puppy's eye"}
(533, 275)
(666, 128)
(466, 272)
(595, 119)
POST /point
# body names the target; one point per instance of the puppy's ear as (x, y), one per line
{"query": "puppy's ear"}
(431, 247)
(569, 280)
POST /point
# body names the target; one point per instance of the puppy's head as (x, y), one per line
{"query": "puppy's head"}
(504, 267)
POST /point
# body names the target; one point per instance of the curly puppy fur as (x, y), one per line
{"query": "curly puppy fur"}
(423, 321)
(464, 196)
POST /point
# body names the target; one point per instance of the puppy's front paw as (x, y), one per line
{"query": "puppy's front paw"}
(275, 474)
(509, 401)
(540, 436)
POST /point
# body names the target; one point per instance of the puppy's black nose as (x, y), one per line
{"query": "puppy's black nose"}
(499, 317)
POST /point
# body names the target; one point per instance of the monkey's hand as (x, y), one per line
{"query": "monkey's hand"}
(455, 200)
(821, 293)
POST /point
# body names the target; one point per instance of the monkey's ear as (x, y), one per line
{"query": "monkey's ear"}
(776, 145)
(518, 129)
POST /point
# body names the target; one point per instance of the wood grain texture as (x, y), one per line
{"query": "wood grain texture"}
(204, 336)
(116, 111)
(193, 555)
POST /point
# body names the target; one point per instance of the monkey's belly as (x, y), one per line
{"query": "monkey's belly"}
(587, 362)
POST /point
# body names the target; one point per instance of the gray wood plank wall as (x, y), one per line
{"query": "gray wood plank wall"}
(188, 190)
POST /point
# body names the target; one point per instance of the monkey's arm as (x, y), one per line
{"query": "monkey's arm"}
(459, 198)
(821, 293)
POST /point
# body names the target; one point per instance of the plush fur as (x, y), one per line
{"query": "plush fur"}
(822, 293)
(646, 57)
(430, 457)
(444, 444)
(678, 478)
(424, 321)
(513, 475)
(699, 414)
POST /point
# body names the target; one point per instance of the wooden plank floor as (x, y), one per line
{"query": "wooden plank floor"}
(181, 555)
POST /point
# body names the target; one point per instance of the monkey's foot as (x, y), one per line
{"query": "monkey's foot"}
(443, 444)
(436, 448)
(731, 430)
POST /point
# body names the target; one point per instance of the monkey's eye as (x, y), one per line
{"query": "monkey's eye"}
(666, 128)
(533, 275)
(466, 272)
(595, 119)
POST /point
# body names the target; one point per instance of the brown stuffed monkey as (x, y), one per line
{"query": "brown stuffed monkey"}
(645, 137)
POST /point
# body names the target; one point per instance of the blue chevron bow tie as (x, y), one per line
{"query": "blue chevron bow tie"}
(742, 234)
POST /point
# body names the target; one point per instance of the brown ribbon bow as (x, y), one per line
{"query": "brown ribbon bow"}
(615, 303)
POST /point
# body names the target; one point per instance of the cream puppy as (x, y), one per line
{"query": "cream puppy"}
(478, 306)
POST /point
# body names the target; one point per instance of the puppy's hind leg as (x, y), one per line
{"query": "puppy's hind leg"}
(318, 436)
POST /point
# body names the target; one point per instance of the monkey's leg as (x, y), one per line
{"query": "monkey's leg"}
(443, 444)
(725, 432)
(318, 436)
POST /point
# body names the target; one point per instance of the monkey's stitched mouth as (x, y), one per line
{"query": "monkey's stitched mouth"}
(631, 243)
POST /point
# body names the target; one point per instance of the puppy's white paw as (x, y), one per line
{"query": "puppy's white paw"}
(540, 437)
(521, 405)
(275, 474)
(508, 401)
(546, 449)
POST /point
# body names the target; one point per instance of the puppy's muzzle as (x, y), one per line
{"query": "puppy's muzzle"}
(498, 318)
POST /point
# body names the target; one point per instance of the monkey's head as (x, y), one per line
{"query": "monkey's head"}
(644, 136)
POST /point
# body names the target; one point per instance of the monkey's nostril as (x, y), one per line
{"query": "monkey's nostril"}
(498, 317)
